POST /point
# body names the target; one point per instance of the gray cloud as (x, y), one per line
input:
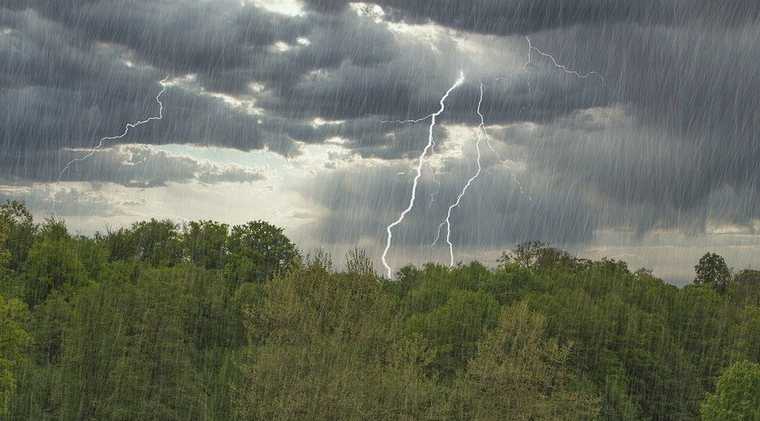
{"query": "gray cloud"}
(508, 17)
(139, 166)
(176, 35)
(684, 151)
(497, 211)
(67, 82)
(692, 122)
(68, 202)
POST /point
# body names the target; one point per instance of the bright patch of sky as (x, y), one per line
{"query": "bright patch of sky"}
(285, 7)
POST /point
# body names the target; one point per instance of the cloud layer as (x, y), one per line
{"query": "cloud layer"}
(666, 139)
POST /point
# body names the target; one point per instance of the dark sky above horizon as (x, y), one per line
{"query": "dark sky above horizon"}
(280, 110)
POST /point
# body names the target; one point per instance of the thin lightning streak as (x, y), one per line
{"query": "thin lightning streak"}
(563, 68)
(481, 134)
(434, 194)
(420, 163)
(128, 126)
(499, 157)
(419, 120)
(488, 142)
(516, 178)
(559, 66)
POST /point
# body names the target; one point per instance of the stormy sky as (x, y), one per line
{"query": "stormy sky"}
(284, 110)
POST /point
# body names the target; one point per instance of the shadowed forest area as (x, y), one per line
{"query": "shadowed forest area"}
(205, 321)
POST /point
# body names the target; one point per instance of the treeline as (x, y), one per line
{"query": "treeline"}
(210, 322)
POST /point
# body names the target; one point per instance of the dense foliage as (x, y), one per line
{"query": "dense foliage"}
(209, 322)
(737, 397)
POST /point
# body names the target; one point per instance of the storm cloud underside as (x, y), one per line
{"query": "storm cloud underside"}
(663, 150)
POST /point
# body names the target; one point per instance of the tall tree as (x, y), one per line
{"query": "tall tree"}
(745, 287)
(13, 342)
(535, 254)
(258, 251)
(53, 263)
(205, 243)
(331, 350)
(713, 271)
(737, 397)
(19, 231)
(520, 374)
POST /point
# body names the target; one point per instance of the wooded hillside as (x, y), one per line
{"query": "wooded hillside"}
(210, 322)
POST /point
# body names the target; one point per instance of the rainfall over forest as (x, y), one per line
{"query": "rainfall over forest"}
(398, 209)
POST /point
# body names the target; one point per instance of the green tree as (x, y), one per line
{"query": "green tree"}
(8, 280)
(53, 263)
(746, 342)
(128, 351)
(5, 254)
(535, 254)
(358, 263)
(258, 251)
(737, 396)
(453, 329)
(14, 341)
(142, 323)
(157, 242)
(713, 271)
(205, 243)
(745, 287)
(520, 374)
(19, 231)
(154, 242)
(331, 349)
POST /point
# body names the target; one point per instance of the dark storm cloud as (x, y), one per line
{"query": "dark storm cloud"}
(708, 103)
(496, 212)
(132, 165)
(636, 176)
(67, 83)
(227, 44)
(371, 138)
(47, 119)
(692, 123)
(177, 36)
(326, 6)
(135, 165)
(684, 72)
(60, 91)
(59, 94)
(673, 144)
(508, 17)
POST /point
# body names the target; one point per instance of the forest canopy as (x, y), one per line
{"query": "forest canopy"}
(206, 321)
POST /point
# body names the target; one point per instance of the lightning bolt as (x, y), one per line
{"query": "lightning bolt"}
(481, 134)
(434, 193)
(128, 126)
(520, 186)
(433, 117)
(415, 121)
(499, 157)
(559, 66)
(488, 142)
